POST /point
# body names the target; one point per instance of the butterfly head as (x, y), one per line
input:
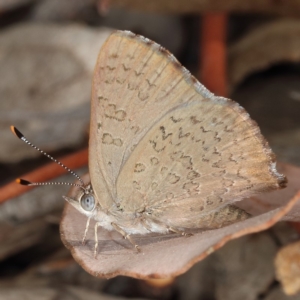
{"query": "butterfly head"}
(84, 201)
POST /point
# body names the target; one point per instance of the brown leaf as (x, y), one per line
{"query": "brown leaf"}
(278, 294)
(242, 260)
(170, 254)
(287, 264)
(269, 201)
(255, 51)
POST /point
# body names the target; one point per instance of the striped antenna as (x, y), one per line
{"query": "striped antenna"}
(29, 183)
(18, 134)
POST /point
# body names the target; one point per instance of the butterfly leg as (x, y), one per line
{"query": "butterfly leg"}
(96, 239)
(126, 236)
(86, 230)
(172, 229)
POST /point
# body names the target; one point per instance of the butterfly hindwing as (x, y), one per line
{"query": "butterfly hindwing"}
(196, 159)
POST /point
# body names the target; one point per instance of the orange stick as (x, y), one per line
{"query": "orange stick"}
(213, 53)
(296, 226)
(44, 173)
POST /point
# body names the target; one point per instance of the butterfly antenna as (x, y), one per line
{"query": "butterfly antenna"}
(18, 134)
(29, 183)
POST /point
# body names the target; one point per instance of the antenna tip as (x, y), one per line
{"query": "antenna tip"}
(23, 181)
(16, 132)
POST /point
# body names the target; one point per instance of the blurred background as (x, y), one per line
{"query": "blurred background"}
(247, 51)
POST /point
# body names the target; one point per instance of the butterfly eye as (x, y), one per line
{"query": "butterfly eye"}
(87, 202)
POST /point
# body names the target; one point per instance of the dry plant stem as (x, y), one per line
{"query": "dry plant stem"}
(296, 226)
(44, 173)
(213, 53)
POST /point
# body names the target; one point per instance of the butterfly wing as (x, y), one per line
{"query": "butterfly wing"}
(199, 157)
(134, 85)
(162, 143)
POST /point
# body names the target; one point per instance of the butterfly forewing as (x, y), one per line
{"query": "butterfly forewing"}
(162, 144)
(134, 85)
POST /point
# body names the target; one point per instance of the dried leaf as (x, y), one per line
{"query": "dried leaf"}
(278, 294)
(255, 51)
(170, 254)
(287, 265)
(240, 261)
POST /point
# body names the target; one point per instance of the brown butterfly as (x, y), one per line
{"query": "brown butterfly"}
(165, 154)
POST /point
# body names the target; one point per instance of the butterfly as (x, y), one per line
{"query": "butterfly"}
(165, 154)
